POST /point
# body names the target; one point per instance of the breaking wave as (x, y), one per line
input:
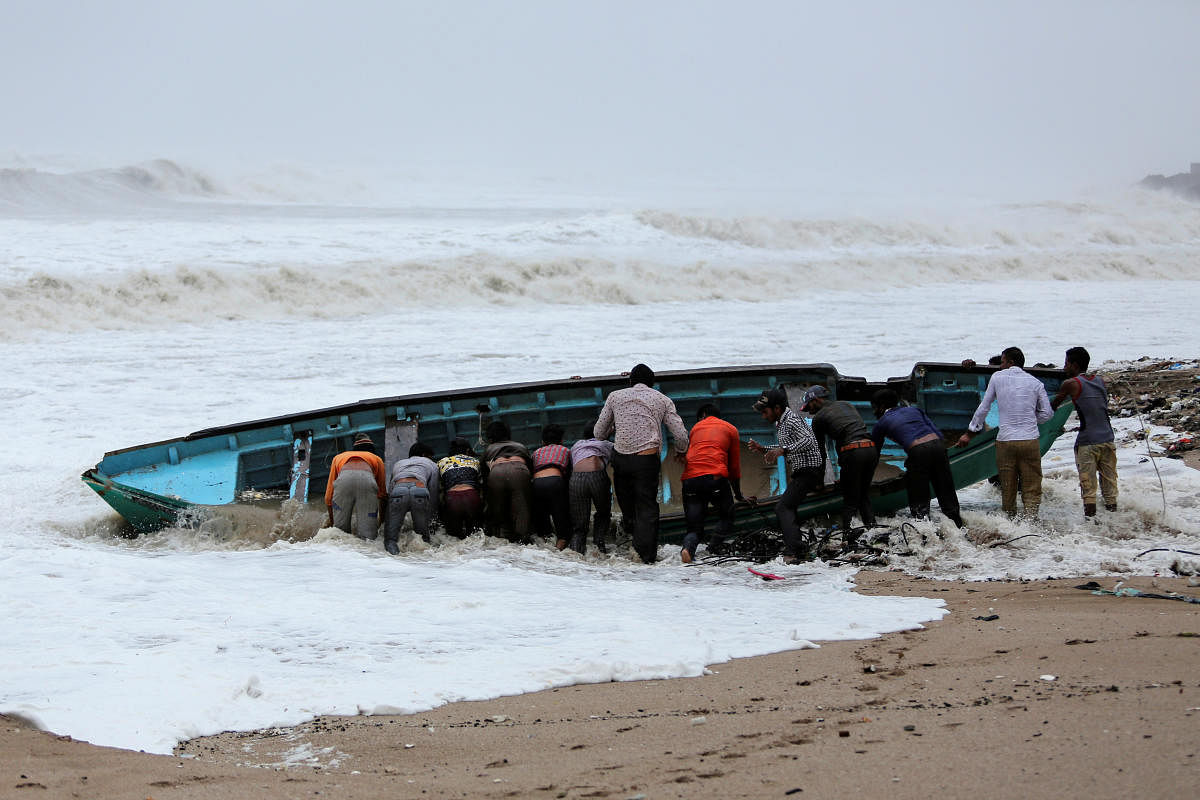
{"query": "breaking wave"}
(154, 182)
(1139, 219)
(241, 249)
(186, 294)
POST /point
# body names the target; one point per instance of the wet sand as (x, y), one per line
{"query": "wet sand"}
(1062, 693)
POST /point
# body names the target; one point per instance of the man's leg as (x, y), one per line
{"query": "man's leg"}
(623, 487)
(420, 511)
(355, 495)
(917, 478)
(560, 509)
(943, 483)
(645, 540)
(540, 511)
(867, 457)
(343, 503)
(695, 503)
(399, 503)
(1106, 462)
(1085, 465)
(519, 497)
(498, 504)
(1030, 466)
(802, 482)
(1006, 469)
(601, 488)
(581, 509)
(452, 515)
(723, 502)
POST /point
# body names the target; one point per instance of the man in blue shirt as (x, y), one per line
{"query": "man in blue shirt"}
(927, 462)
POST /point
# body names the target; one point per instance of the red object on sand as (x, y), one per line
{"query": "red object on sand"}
(766, 576)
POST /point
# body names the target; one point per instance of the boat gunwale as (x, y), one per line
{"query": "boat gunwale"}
(528, 386)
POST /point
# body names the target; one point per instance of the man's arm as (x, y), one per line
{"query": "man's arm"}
(1042, 409)
(604, 425)
(333, 473)
(679, 431)
(1067, 390)
(433, 485)
(733, 459)
(818, 433)
(878, 433)
(976, 424)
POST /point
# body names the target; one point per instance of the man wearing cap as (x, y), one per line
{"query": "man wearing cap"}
(1023, 404)
(927, 462)
(840, 422)
(637, 415)
(713, 476)
(805, 468)
(357, 482)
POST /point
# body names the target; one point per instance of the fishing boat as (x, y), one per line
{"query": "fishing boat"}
(274, 464)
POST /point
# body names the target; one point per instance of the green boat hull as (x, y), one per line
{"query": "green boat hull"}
(181, 482)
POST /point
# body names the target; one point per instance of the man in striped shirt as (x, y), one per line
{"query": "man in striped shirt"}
(805, 467)
(1023, 404)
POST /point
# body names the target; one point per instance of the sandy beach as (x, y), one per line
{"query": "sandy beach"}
(1055, 691)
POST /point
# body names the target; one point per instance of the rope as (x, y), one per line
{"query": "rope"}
(1165, 550)
(1161, 488)
(1015, 538)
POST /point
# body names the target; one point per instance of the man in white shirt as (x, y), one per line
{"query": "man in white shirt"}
(1023, 404)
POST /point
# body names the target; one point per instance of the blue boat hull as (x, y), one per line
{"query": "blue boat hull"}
(288, 457)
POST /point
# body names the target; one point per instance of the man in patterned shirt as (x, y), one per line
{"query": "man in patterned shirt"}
(805, 467)
(637, 414)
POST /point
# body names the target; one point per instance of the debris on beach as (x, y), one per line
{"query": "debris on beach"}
(1162, 392)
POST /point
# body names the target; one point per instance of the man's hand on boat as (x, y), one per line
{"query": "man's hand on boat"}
(769, 454)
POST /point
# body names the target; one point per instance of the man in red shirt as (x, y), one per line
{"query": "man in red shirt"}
(713, 475)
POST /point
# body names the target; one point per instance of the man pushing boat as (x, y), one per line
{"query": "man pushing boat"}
(637, 415)
(357, 483)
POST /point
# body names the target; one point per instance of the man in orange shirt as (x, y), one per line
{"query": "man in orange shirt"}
(713, 475)
(357, 481)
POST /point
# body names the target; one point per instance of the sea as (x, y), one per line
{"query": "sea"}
(143, 301)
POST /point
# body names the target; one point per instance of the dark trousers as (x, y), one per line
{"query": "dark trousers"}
(588, 490)
(801, 483)
(635, 482)
(507, 491)
(857, 470)
(551, 504)
(462, 512)
(928, 464)
(698, 493)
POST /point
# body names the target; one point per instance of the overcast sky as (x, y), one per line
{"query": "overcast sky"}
(873, 93)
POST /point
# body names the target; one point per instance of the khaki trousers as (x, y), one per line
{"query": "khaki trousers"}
(1020, 463)
(1093, 459)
